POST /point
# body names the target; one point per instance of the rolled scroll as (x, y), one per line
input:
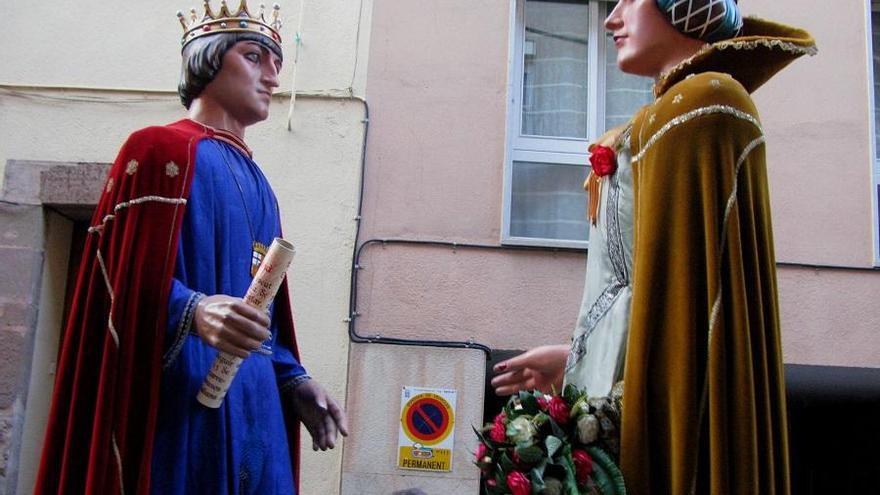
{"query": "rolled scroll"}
(259, 295)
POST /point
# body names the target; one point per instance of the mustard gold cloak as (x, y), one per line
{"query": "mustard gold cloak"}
(704, 398)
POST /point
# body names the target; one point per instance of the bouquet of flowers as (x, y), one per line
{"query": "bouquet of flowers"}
(552, 444)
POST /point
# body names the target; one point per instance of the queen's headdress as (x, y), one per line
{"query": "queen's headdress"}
(226, 21)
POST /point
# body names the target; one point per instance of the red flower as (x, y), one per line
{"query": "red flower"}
(602, 160)
(499, 431)
(481, 452)
(519, 463)
(542, 403)
(559, 410)
(583, 465)
(491, 482)
(518, 483)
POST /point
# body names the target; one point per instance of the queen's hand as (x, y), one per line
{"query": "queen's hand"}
(541, 368)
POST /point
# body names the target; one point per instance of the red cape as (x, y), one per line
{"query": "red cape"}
(99, 437)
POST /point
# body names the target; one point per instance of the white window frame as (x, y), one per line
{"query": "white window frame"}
(875, 159)
(554, 151)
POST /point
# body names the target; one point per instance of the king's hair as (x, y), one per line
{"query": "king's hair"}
(203, 59)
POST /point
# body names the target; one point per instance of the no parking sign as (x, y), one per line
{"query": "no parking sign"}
(427, 420)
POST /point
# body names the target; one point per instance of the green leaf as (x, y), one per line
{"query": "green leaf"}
(570, 481)
(540, 419)
(557, 430)
(603, 481)
(579, 407)
(501, 484)
(530, 455)
(542, 465)
(529, 403)
(570, 394)
(480, 435)
(553, 444)
(537, 479)
(607, 464)
(506, 463)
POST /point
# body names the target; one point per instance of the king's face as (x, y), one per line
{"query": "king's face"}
(243, 87)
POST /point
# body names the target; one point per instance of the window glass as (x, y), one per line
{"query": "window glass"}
(566, 91)
(548, 201)
(555, 69)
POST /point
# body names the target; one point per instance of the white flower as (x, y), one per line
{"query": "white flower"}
(587, 428)
(171, 169)
(521, 430)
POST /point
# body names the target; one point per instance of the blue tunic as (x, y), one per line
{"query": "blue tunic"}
(240, 448)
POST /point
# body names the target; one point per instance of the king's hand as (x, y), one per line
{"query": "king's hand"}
(320, 414)
(231, 325)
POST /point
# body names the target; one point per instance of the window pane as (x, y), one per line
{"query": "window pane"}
(554, 99)
(875, 46)
(624, 93)
(548, 201)
(875, 41)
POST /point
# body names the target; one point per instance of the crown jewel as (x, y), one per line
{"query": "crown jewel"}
(226, 21)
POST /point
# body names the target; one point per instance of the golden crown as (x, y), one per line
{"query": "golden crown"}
(225, 21)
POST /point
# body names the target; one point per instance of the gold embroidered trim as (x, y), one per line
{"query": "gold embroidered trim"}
(118, 463)
(149, 199)
(716, 306)
(105, 274)
(731, 200)
(681, 119)
(786, 46)
(184, 327)
(112, 328)
(97, 229)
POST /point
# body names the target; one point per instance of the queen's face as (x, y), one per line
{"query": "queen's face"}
(644, 38)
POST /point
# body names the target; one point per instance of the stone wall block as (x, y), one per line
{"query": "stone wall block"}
(73, 185)
(21, 226)
(11, 358)
(19, 269)
(16, 312)
(6, 425)
(21, 182)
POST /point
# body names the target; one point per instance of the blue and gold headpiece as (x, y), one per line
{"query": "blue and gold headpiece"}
(708, 20)
(225, 21)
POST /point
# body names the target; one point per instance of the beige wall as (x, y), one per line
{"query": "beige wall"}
(833, 320)
(437, 89)
(380, 372)
(506, 300)
(817, 114)
(437, 86)
(817, 118)
(314, 168)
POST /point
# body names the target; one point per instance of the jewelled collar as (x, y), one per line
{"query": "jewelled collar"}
(227, 137)
(762, 49)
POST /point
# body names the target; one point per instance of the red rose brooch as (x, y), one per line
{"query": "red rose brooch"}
(603, 162)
